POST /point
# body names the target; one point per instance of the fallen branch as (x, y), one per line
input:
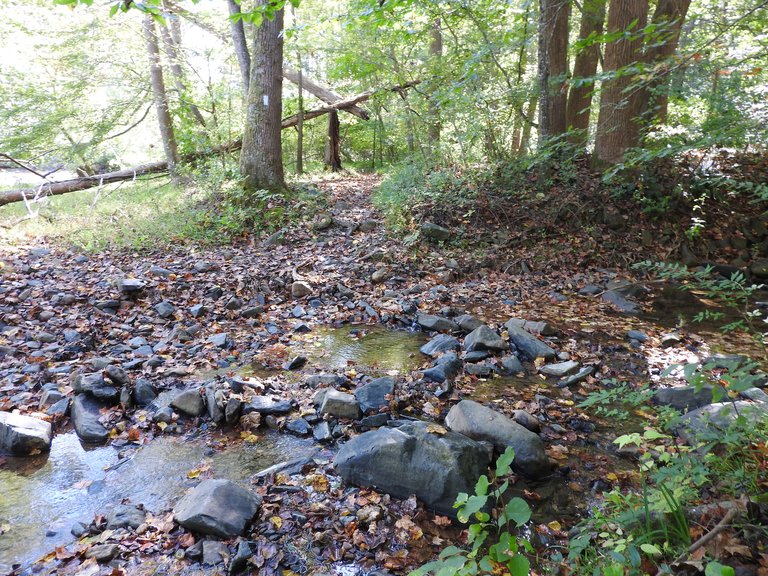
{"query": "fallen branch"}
(346, 104)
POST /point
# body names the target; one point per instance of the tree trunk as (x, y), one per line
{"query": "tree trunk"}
(333, 143)
(526, 137)
(261, 159)
(584, 68)
(241, 45)
(300, 125)
(617, 128)
(164, 119)
(553, 67)
(668, 16)
(433, 108)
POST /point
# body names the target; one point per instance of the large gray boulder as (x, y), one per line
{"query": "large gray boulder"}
(217, 507)
(23, 435)
(189, 402)
(480, 423)
(718, 417)
(484, 338)
(527, 343)
(416, 458)
(686, 397)
(85, 417)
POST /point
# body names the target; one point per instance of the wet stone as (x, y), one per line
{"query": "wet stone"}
(299, 426)
(560, 369)
(436, 323)
(439, 344)
(23, 435)
(189, 402)
(265, 405)
(102, 552)
(295, 363)
(217, 507)
(164, 309)
(125, 516)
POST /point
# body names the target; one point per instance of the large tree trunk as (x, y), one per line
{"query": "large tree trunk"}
(617, 128)
(164, 119)
(261, 159)
(553, 66)
(333, 143)
(584, 68)
(240, 44)
(433, 108)
(668, 17)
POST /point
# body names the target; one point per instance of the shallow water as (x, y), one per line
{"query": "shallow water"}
(41, 498)
(373, 347)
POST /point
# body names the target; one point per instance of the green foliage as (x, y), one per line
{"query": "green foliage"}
(492, 545)
(610, 401)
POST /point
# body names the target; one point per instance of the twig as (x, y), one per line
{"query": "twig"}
(22, 165)
(704, 540)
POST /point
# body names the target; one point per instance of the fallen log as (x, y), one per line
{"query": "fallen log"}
(321, 91)
(345, 104)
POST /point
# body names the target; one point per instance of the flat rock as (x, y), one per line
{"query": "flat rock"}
(685, 397)
(439, 344)
(411, 459)
(217, 507)
(511, 365)
(433, 231)
(534, 327)
(125, 516)
(576, 378)
(436, 323)
(266, 406)
(164, 309)
(130, 285)
(23, 435)
(619, 302)
(85, 417)
(484, 338)
(481, 423)
(715, 418)
(300, 289)
(468, 323)
(527, 344)
(373, 396)
(560, 369)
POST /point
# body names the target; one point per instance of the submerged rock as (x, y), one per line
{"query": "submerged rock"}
(412, 459)
(217, 507)
(23, 435)
(480, 423)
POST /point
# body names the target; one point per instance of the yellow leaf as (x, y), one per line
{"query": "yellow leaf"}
(277, 522)
(162, 425)
(436, 429)
(555, 525)
(611, 476)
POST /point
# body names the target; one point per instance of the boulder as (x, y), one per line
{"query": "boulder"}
(467, 322)
(447, 367)
(415, 458)
(23, 435)
(373, 395)
(480, 423)
(528, 344)
(439, 344)
(719, 416)
(484, 338)
(685, 397)
(511, 365)
(85, 417)
(217, 507)
(560, 369)
(125, 516)
(300, 289)
(436, 323)
(266, 406)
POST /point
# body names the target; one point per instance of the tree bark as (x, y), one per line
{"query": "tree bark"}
(617, 129)
(433, 108)
(261, 158)
(333, 143)
(241, 45)
(553, 67)
(584, 68)
(300, 125)
(668, 16)
(164, 119)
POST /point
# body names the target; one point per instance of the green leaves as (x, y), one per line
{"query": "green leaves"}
(518, 511)
(717, 569)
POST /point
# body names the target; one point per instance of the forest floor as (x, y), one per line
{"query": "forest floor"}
(236, 316)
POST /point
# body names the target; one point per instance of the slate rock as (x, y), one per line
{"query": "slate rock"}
(233, 410)
(60, 408)
(102, 553)
(217, 507)
(433, 231)
(410, 459)
(340, 405)
(445, 368)
(266, 406)
(718, 417)
(476, 356)
(300, 289)
(23, 435)
(637, 335)
(576, 378)
(481, 423)
(215, 412)
(220, 340)
(117, 375)
(590, 290)
(189, 402)
(467, 322)
(374, 420)
(484, 338)
(538, 328)
(125, 516)
(298, 426)
(143, 392)
(214, 552)
(164, 309)
(130, 285)
(511, 365)
(481, 370)
(439, 344)
(620, 302)
(527, 344)
(372, 396)
(560, 369)
(322, 432)
(85, 418)
(685, 397)
(436, 323)
(295, 363)
(333, 380)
